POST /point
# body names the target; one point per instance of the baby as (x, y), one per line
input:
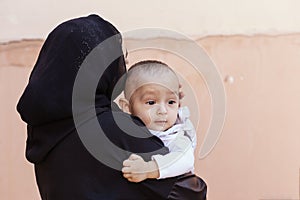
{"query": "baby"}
(152, 94)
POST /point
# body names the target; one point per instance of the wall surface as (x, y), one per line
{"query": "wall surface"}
(191, 17)
(257, 155)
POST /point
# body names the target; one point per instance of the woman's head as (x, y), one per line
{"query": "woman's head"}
(48, 95)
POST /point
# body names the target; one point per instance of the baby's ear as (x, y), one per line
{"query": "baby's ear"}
(124, 104)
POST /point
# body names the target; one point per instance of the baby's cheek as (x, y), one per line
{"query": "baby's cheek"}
(151, 113)
(146, 119)
(174, 117)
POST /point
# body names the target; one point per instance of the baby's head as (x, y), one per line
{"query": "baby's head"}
(151, 93)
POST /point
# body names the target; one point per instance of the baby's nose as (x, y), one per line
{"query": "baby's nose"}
(161, 109)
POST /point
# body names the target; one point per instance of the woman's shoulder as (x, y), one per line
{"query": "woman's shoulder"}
(114, 117)
(119, 122)
(130, 134)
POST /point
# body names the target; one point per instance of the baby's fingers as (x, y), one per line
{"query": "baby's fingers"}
(134, 157)
(127, 176)
(127, 163)
(126, 170)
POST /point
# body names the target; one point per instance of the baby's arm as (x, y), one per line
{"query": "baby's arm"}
(180, 160)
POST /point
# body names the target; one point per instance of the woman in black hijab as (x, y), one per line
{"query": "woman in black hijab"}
(65, 167)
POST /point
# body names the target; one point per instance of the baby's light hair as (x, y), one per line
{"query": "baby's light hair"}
(152, 68)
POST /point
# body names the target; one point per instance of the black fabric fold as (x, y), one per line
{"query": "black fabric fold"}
(187, 187)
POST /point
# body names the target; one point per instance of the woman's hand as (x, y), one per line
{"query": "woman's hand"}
(136, 169)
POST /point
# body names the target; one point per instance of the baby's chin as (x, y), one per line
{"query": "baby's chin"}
(158, 128)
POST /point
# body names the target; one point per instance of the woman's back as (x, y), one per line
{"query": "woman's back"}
(69, 171)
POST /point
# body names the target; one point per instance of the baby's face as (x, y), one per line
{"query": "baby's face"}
(155, 105)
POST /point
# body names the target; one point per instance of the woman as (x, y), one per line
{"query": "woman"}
(64, 168)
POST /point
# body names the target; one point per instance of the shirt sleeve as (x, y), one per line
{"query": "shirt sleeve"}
(180, 160)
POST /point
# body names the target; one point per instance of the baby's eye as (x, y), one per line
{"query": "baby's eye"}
(171, 102)
(151, 102)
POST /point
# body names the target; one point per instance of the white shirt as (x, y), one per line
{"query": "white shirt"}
(181, 141)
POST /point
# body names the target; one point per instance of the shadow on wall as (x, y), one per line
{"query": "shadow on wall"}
(257, 156)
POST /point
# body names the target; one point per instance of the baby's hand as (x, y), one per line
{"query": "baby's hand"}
(135, 168)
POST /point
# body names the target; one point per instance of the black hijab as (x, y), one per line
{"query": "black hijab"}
(46, 104)
(48, 95)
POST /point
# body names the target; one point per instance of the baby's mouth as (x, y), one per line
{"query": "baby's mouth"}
(161, 121)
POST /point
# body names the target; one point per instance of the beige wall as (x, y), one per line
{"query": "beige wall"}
(16, 175)
(257, 155)
(34, 19)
